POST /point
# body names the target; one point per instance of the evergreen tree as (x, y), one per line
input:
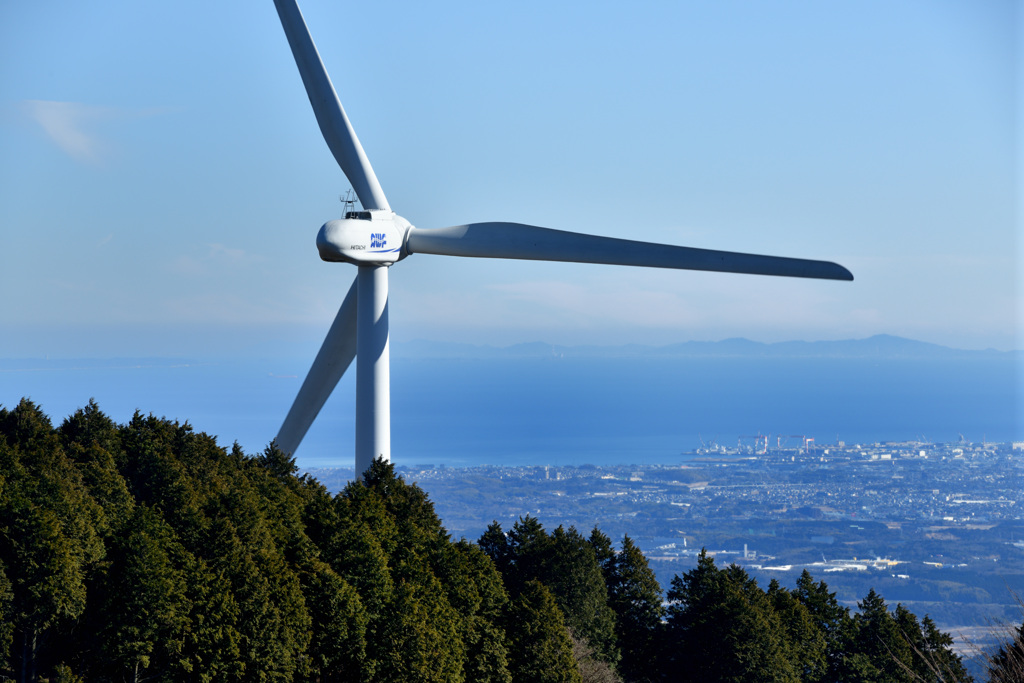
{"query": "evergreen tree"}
(931, 658)
(104, 485)
(356, 555)
(6, 613)
(90, 427)
(476, 592)
(48, 585)
(635, 596)
(879, 651)
(273, 623)
(576, 580)
(145, 551)
(566, 564)
(808, 648)
(418, 637)
(940, 661)
(496, 546)
(48, 537)
(145, 609)
(832, 619)
(529, 554)
(278, 463)
(539, 645)
(157, 476)
(337, 649)
(604, 552)
(213, 639)
(721, 627)
(417, 632)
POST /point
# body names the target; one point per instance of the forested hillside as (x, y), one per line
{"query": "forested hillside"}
(146, 552)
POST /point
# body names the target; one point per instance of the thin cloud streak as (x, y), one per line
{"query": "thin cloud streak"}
(65, 124)
(215, 260)
(70, 125)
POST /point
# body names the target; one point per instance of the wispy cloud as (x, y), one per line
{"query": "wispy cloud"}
(215, 260)
(72, 125)
(67, 125)
(219, 252)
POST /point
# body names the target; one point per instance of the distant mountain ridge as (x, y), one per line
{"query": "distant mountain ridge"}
(877, 346)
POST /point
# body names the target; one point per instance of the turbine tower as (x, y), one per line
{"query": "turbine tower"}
(376, 238)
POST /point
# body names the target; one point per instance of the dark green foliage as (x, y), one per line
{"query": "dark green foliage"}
(935, 658)
(337, 648)
(275, 461)
(722, 627)
(721, 616)
(807, 644)
(90, 427)
(416, 638)
(48, 537)
(495, 545)
(635, 596)
(880, 652)
(146, 552)
(145, 609)
(575, 578)
(528, 556)
(6, 614)
(566, 564)
(539, 643)
(931, 658)
(831, 618)
(422, 612)
(476, 592)
(604, 552)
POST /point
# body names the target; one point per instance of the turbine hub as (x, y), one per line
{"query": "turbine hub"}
(364, 237)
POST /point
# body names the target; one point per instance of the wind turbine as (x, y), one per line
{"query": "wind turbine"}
(376, 238)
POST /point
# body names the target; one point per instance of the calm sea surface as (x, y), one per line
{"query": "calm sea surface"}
(553, 411)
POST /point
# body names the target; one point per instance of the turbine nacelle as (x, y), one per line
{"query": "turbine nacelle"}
(376, 237)
(364, 238)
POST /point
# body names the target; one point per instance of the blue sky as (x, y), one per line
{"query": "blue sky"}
(162, 178)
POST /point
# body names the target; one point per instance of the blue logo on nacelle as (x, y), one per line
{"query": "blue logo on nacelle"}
(377, 240)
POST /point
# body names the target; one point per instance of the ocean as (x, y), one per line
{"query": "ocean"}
(556, 410)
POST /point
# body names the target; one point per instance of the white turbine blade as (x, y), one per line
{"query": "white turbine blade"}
(518, 241)
(336, 354)
(334, 124)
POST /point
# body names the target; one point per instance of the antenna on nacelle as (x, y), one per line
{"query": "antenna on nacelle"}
(349, 200)
(360, 329)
